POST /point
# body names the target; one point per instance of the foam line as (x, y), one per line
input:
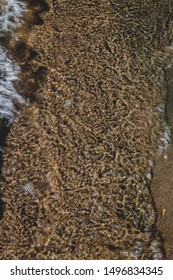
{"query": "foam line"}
(10, 18)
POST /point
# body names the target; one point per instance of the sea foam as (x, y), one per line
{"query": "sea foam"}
(11, 14)
(10, 18)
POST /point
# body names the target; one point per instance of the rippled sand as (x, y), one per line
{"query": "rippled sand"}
(77, 183)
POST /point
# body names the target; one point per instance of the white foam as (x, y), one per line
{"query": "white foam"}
(154, 247)
(165, 139)
(8, 94)
(29, 189)
(10, 17)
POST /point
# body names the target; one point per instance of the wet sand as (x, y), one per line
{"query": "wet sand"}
(162, 184)
(78, 183)
(162, 189)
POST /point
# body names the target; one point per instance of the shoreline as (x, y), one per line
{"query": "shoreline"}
(16, 18)
(10, 18)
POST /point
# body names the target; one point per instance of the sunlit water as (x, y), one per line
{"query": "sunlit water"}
(11, 12)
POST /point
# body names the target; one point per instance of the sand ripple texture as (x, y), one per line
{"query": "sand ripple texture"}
(75, 173)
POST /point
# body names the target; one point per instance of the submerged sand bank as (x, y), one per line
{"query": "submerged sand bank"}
(77, 185)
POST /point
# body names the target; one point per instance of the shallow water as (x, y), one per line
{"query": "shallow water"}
(100, 175)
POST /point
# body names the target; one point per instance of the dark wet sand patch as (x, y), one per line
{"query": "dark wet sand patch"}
(162, 190)
(162, 184)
